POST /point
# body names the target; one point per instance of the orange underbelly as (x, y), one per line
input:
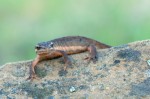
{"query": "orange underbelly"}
(68, 50)
(72, 49)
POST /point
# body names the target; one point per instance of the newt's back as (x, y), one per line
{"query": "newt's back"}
(78, 41)
(75, 44)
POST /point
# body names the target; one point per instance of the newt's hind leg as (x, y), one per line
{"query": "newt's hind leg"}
(93, 54)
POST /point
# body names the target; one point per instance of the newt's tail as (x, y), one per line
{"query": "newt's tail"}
(99, 45)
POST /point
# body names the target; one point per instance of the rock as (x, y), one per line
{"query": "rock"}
(121, 72)
(72, 89)
(148, 62)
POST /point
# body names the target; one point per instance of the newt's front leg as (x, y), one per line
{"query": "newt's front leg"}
(32, 68)
(40, 58)
(66, 58)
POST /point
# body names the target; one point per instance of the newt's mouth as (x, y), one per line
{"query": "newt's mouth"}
(40, 50)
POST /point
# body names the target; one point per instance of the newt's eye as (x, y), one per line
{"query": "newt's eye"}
(38, 47)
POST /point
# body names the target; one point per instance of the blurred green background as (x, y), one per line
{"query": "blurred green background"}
(24, 23)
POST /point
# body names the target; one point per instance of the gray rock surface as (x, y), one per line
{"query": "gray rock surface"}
(122, 72)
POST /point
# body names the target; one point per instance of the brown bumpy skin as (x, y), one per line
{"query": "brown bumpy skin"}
(65, 46)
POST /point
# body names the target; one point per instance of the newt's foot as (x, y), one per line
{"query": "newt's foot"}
(32, 77)
(67, 64)
(93, 59)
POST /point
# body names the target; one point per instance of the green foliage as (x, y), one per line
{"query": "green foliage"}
(23, 23)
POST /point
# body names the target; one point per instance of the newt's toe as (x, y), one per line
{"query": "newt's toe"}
(93, 59)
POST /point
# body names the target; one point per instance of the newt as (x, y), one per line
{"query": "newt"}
(64, 46)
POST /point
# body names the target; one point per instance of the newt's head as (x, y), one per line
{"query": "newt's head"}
(44, 47)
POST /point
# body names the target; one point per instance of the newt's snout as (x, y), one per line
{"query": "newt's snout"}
(40, 49)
